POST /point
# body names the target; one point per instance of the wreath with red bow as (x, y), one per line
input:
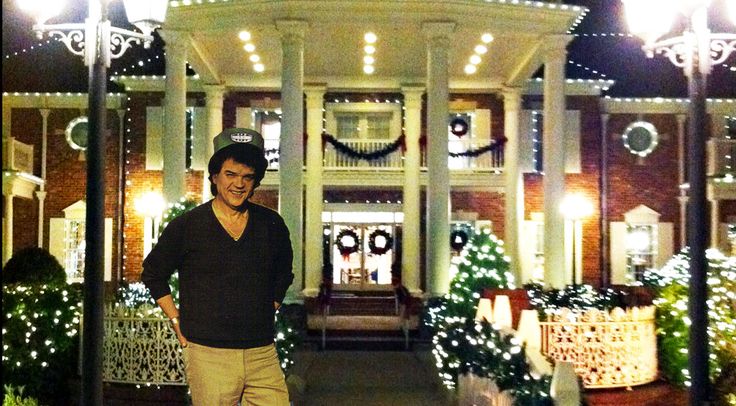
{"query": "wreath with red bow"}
(388, 242)
(347, 242)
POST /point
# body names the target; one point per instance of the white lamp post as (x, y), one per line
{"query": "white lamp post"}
(575, 208)
(98, 43)
(697, 50)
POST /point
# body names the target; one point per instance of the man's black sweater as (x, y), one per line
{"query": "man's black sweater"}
(227, 288)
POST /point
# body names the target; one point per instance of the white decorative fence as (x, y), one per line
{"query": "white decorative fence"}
(608, 349)
(140, 347)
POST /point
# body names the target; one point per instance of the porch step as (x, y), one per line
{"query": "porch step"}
(360, 322)
(363, 305)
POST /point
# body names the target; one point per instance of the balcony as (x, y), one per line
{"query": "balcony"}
(343, 168)
(722, 168)
(18, 179)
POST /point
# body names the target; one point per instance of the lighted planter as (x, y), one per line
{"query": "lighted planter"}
(609, 349)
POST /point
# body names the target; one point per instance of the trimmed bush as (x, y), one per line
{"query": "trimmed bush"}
(33, 265)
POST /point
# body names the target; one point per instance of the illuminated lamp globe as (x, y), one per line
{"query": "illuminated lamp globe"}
(649, 19)
(146, 15)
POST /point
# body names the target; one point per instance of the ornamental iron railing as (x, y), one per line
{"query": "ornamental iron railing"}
(608, 349)
(140, 347)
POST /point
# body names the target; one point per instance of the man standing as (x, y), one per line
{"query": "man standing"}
(234, 262)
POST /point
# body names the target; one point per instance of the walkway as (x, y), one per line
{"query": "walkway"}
(369, 378)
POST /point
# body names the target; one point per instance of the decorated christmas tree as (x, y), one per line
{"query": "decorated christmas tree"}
(464, 345)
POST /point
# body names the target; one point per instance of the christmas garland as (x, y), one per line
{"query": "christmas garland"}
(389, 241)
(369, 156)
(482, 150)
(346, 250)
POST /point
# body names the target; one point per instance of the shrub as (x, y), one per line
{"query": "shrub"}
(13, 399)
(33, 265)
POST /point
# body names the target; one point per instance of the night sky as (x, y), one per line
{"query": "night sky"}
(52, 68)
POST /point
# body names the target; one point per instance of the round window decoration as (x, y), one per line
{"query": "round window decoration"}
(640, 138)
(76, 133)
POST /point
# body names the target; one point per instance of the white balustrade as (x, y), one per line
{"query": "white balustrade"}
(140, 347)
(608, 349)
(334, 159)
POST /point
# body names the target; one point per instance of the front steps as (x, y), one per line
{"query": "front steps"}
(362, 322)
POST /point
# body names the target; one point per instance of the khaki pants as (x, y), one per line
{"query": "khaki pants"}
(223, 376)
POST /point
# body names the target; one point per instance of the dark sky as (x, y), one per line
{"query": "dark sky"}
(52, 68)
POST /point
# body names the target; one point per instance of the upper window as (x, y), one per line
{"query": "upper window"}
(363, 125)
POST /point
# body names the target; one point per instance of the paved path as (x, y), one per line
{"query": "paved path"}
(369, 378)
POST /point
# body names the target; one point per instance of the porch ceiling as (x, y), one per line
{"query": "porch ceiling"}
(333, 52)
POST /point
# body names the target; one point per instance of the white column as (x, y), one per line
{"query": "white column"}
(8, 228)
(514, 198)
(175, 105)
(291, 201)
(213, 104)
(41, 194)
(438, 179)
(715, 215)
(313, 242)
(682, 199)
(555, 55)
(410, 243)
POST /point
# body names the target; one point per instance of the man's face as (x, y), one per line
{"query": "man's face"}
(235, 183)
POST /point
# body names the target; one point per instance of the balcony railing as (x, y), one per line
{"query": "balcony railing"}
(336, 160)
(17, 156)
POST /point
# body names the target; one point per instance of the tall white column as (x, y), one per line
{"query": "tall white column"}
(715, 216)
(514, 198)
(313, 259)
(555, 56)
(175, 105)
(682, 199)
(213, 104)
(411, 254)
(291, 201)
(41, 193)
(8, 228)
(438, 179)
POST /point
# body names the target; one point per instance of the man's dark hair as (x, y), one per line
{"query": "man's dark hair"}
(242, 154)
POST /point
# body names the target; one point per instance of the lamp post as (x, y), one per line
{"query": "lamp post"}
(98, 43)
(697, 50)
(575, 208)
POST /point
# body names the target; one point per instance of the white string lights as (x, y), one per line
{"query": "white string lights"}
(369, 49)
(481, 49)
(250, 48)
(32, 47)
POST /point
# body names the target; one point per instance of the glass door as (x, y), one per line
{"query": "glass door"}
(362, 256)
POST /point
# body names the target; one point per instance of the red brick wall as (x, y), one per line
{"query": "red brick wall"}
(65, 173)
(585, 183)
(140, 181)
(488, 205)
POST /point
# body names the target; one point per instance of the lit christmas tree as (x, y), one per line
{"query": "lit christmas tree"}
(463, 345)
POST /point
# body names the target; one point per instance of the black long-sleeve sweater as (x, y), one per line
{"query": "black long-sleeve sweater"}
(227, 288)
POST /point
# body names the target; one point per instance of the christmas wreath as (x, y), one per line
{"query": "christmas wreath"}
(347, 242)
(458, 239)
(458, 127)
(380, 242)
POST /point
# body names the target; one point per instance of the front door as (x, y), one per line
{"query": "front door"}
(362, 256)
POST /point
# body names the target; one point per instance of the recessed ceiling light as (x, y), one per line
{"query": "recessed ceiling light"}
(470, 69)
(254, 58)
(474, 59)
(249, 47)
(369, 49)
(370, 37)
(368, 60)
(486, 38)
(258, 67)
(368, 69)
(480, 49)
(244, 36)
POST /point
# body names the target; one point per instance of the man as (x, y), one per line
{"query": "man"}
(234, 262)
